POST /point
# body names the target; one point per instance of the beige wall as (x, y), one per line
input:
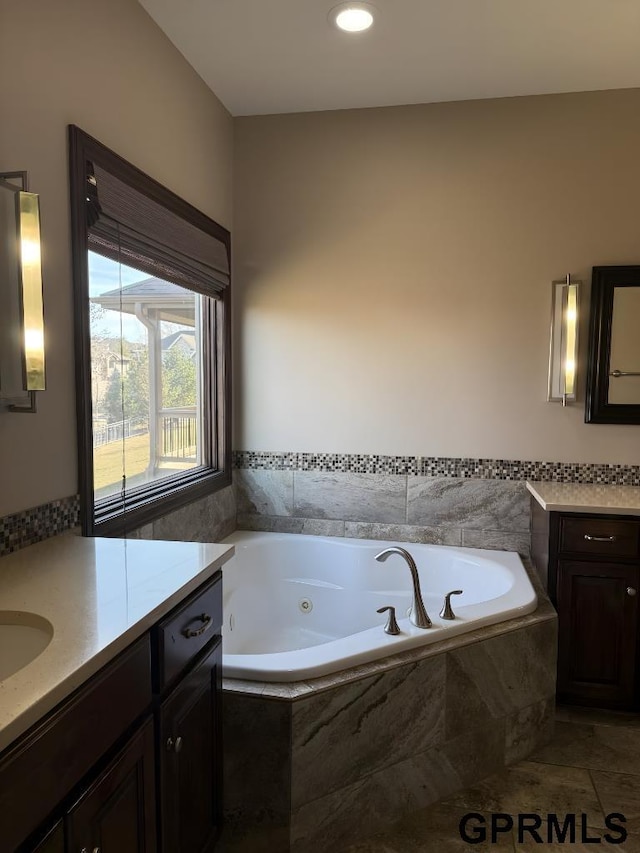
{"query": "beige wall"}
(105, 66)
(393, 273)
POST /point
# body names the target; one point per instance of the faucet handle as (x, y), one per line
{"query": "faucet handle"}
(392, 626)
(447, 612)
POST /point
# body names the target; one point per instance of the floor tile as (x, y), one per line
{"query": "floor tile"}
(630, 846)
(432, 830)
(594, 747)
(592, 767)
(619, 792)
(598, 717)
(563, 714)
(531, 787)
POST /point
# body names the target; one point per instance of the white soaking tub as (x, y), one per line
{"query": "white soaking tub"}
(298, 607)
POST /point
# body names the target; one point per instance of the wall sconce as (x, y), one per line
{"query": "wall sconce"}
(563, 350)
(28, 313)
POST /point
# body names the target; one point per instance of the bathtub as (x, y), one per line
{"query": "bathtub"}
(299, 607)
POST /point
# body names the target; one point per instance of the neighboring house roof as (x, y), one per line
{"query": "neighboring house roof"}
(184, 339)
(115, 356)
(166, 300)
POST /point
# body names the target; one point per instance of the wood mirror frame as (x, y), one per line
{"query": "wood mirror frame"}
(598, 409)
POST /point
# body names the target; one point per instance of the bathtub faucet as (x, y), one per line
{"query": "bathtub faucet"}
(418, 614)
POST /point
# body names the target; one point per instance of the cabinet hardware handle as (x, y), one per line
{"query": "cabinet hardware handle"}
(207, 622)
(618, 373)
(631, 591)
(175, 745)
(590, 538)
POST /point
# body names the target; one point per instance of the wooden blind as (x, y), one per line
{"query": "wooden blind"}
(128, 226)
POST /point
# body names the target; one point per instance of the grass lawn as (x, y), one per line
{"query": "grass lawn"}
(107, 464)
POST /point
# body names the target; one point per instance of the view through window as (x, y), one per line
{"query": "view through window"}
(152, 287)
(146, 377)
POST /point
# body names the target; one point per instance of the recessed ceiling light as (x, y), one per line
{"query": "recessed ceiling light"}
(352, 17)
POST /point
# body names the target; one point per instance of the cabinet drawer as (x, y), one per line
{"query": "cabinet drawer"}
(187, 630)
(600, 536)
(44, 766)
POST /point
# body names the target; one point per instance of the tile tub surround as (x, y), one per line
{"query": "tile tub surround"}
(476, 513)
(312, 765)
(209, 519)
(478, 503)
(435, 466)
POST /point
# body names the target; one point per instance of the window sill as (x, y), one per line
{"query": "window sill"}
(144, 508)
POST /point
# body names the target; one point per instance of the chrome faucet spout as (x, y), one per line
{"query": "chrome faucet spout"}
(418, 614)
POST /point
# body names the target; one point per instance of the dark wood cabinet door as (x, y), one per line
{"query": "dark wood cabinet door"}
(190, 760)
(53, 842)
(117, 813)
(598, 620)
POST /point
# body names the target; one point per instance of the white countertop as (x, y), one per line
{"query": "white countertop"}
(583, 497)
(100, 595)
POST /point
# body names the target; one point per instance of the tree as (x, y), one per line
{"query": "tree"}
(136, 386)
(178, 379)
(102, 346)
(128, 396)
(112, 400)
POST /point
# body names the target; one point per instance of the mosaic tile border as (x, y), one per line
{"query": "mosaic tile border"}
(433, 466)
(33, 525)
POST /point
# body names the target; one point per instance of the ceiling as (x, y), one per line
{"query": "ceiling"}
(275, 56)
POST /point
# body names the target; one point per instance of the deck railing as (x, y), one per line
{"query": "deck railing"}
(178, 433)
(119, 430)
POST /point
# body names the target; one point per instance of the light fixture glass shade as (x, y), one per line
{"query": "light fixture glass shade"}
(30, 271)
(352, 17)
(563, 351)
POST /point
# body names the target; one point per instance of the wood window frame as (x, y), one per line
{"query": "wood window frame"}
(159, 498)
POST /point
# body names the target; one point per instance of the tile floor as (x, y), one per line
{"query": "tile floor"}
(592, 767)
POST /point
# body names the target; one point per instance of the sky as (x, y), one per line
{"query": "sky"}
(104, 275)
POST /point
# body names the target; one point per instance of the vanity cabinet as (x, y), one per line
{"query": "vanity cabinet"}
(129, 763)
(54, 759)
(117, 813)
(189, 720)
(597, 633)
(190, 761)
(53, 842)
(591, 564)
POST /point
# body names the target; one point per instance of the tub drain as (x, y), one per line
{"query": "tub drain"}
(306, 605)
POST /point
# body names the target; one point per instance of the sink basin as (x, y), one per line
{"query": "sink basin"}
(23, 636)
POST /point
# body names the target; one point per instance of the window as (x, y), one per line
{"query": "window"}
(152, 279)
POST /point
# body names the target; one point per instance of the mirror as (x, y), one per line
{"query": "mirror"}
(624, 361)
(613, 382)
